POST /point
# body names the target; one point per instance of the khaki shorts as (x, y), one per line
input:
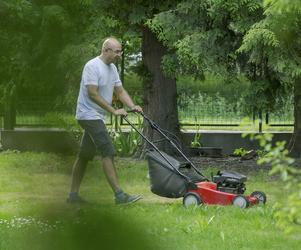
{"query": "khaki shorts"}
(95, 141)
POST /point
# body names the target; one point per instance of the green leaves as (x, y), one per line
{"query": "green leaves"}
(281, 6)
(288, 215)
(235, 37)
(55, 15)
(125, 143)
(276, 37)
(201, 32)
(137, 15)
(259, 35)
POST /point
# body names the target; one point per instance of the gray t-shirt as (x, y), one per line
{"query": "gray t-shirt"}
(106, 77)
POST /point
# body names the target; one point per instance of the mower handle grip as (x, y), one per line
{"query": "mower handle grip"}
(132, 111)
(135, 111)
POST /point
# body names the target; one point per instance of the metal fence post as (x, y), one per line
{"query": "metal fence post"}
(10, 112)
(260, 120)
(267, 118)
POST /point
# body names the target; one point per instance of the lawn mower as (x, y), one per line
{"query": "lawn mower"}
(172, 178)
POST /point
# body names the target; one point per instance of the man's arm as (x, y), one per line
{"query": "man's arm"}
(95, 97)
(124, 97)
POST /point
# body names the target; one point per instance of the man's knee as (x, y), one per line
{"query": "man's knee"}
(82, 161)
(108, 158)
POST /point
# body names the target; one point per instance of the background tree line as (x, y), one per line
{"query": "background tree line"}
(44, 44)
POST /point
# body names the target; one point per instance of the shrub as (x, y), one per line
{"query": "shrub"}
(288, 215)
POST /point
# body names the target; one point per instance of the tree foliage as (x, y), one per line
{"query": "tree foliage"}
(275, 42)
(205, 34)
(45, 44)
(278, 36)
(230, 38)
(273, 46)
(288, 215)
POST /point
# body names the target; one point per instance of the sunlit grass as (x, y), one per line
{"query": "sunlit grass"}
(34, 214)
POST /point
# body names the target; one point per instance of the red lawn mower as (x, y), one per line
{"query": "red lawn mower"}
(174, 179)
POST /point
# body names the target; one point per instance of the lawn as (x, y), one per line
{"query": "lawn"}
(34, 214)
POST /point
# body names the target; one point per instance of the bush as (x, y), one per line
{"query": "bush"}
(125, 143)
(288, 215)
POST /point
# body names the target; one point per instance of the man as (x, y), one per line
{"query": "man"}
(100, 79)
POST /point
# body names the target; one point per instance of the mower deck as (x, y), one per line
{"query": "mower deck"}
(207, 193)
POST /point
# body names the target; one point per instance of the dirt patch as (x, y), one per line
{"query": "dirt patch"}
(235, 164)
(230, 164)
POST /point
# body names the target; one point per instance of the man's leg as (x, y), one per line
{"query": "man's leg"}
(110, 172)
(97, 134)
(111, 175)
(78, 172)
(86, 153)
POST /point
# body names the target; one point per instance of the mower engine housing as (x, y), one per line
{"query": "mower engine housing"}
(230, 182)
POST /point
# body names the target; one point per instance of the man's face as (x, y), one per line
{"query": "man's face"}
(114, 52)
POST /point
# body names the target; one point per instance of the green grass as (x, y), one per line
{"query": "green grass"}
(34, 214)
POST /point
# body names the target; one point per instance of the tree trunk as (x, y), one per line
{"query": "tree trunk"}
(295, 144)
(160, 92)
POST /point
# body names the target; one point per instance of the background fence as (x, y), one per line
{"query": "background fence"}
(200, 109)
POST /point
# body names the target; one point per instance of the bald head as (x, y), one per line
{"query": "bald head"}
(111, 50)
(110, 43)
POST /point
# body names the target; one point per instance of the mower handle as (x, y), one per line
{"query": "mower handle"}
(133, 111)
(158, 129)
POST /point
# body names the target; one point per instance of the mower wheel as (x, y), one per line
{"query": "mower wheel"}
(240, 201)
(191, 199)
(261, 197)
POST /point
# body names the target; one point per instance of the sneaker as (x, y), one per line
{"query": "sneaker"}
(76, 199)
(124, 198)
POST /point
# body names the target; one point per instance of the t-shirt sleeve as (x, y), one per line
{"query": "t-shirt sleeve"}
(117, 81)
(89, 76)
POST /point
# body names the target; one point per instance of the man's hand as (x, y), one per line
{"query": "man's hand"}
(120, 112)
(137, 108)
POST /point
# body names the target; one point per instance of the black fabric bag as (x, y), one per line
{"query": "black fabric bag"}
(164, 180)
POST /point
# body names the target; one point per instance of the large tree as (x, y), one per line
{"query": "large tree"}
(274, 45)
(234, 37)
(160, 95)
(205, 36)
